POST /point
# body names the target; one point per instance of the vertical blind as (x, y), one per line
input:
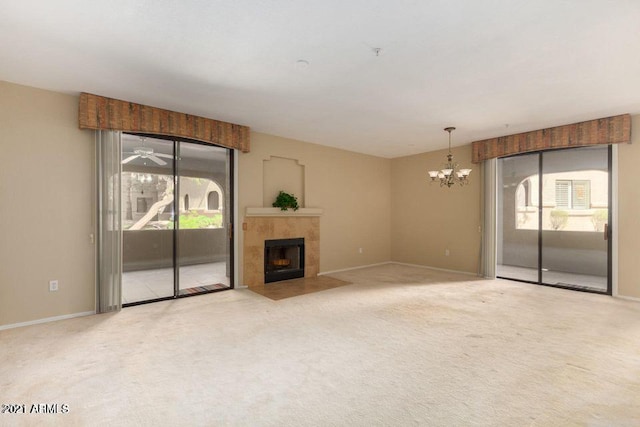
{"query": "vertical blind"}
(488, 254)
(109, 262)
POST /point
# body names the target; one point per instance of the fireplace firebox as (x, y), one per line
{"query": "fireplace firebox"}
(283, 259)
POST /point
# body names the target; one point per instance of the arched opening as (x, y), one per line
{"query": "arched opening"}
(213, 201)
(526, 203)
(526, 185)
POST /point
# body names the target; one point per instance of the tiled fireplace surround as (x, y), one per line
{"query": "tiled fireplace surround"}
(262, 224)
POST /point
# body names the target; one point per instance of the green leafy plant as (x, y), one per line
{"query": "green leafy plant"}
(193, 220)
(559, 219)
(285, 201)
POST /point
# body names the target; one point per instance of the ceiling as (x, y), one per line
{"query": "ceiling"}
(490, 68)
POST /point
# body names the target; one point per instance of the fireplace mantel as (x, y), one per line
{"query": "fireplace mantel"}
(278, 212)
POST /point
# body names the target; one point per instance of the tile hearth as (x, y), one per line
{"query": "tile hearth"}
(257, 229)
(296, 287)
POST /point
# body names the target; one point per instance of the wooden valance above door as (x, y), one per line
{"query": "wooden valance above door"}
(610, 130)
(99, 112)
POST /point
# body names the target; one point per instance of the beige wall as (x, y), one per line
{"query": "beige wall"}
(353, 189)
(427, 219)
(46, 208)
(387, 207)
(282, 175)
(441, 219)
(629, 214)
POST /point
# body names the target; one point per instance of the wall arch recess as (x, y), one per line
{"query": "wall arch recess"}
(282, 174)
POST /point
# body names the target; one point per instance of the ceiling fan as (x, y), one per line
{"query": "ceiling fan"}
(146, 153)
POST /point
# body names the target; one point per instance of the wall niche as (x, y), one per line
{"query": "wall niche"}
(282, 174)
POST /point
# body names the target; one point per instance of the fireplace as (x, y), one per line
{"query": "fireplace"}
(283, 259)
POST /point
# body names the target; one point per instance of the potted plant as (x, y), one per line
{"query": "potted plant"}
(284, 201)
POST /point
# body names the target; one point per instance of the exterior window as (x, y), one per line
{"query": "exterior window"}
(213, 201)
(141, 205)
(573, 194)
(563, 189)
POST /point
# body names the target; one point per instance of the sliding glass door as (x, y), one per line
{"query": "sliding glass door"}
(176, 213)
(517, 239)
(204, 244)
(575, 212)
(147, 212)
(553, 218)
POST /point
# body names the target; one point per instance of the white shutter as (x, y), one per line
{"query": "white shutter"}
(563, 191)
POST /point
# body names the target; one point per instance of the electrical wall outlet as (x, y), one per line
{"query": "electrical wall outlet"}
(359, 250)
(446, 252)
(53, 285)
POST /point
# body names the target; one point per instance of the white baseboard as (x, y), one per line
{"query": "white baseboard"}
(354, 268)
(466, 273)
(627, 298)
(46, 320)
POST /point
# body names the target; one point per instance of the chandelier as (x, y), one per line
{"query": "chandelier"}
(450, 174)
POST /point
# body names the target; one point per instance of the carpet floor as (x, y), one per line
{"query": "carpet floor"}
(399, 346)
